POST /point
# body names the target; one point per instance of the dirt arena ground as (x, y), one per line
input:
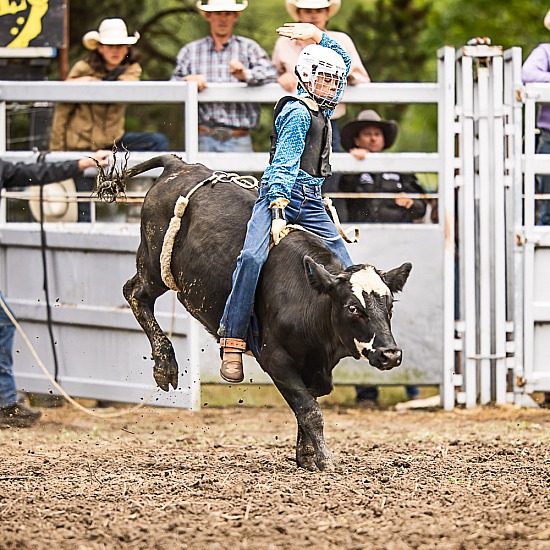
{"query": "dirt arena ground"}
(225, 478)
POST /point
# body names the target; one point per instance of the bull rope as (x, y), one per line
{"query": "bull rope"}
(344, 234)
(75, 404)
(247, 182)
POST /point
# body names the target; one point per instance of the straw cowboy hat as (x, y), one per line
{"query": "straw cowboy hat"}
(58, 207)
(368, 118)
(292, 6)
(221, 5)
(112, 32)
(547, 20)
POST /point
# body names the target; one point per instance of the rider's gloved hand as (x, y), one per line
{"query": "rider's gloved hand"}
(278, 220)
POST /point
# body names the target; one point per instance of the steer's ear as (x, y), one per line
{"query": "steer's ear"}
(396, 278)
(318, 277)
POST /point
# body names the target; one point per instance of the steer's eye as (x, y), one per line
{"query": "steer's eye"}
(353, 310)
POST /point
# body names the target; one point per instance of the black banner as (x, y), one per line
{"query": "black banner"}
(32, 23)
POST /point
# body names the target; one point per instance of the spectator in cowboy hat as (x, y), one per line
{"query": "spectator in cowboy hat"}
(91, 126)
(361, 137)
(13, 413)
(285, 52)
(224, 57)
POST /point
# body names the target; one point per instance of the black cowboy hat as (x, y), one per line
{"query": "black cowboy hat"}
(368, 118)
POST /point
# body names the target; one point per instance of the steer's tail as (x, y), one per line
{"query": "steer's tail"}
(111, 183)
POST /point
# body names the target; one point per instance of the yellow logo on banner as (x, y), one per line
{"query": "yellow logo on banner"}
(25, 29)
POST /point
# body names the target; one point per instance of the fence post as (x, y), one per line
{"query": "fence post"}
(467, 291)
(446, 149)
(515, 231)
(483, 267)
(191, 121)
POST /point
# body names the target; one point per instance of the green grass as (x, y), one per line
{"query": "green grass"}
(254, 395)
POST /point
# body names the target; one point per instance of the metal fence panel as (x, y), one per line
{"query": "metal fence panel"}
(102, 351)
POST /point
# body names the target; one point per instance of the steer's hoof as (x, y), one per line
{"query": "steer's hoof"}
(165, 377)
(307, 462)
(317, 463)
(325, 464)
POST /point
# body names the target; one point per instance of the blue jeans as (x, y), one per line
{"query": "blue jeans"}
(543, 182)
(370, 393)
(242, 144)
(8, 391)
(144, 141)
(306, 208)
(336, 145)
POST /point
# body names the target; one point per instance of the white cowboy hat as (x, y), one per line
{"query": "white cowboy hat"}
(292, 6)
(112, 32)
(221, 5)
(58, 207)
(547, 20)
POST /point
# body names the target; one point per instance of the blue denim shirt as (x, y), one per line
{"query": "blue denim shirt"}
(292, 126)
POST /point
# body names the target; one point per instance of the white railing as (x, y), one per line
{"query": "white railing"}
(187, 95)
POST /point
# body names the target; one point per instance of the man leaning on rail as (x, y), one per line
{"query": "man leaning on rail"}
(224, 57)
(13, 413)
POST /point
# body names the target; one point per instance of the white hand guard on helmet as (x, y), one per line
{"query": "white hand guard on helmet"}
(322, 74)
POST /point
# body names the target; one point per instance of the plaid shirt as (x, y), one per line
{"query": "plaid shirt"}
(201, 57)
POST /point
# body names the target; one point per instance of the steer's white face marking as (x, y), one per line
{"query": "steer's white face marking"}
(367, 280)
(364, 346)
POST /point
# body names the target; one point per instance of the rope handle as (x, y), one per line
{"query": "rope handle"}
(344, 234)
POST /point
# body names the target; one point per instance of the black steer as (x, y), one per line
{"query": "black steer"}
(311, 312)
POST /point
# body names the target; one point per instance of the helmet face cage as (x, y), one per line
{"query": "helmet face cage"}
(322, 74)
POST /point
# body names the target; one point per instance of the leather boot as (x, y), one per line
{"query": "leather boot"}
(232, 359)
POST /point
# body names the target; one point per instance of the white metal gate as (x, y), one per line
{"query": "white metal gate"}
(503, 258)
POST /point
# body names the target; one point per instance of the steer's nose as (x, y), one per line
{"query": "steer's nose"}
(390, 358)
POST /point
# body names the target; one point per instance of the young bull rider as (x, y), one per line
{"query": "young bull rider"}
(290, 188)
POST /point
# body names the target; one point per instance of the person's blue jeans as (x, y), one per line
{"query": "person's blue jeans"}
(306, 208)
(209, 144)
(144, 141)
(543, 182)
(8, 391)
(370, 393)
(336, 145)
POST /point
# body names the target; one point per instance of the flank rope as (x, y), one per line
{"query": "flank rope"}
(246, 182)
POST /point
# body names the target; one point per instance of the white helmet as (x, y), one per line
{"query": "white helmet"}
(315, 60)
